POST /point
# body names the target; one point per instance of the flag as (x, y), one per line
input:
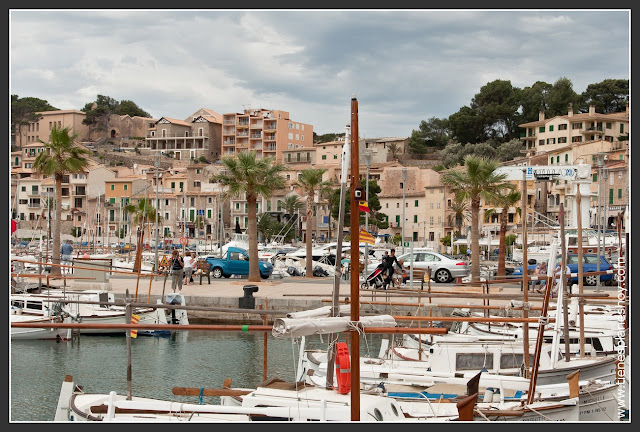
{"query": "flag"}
(134, 320)
(14, 226)
(363, 206)
(366, 237)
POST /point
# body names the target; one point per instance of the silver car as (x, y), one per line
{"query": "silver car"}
(444, 268)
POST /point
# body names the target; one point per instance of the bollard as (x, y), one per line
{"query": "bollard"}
(248, 301)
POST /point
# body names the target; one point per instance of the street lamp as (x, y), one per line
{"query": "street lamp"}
(157, 165)
(600, 163)
(368, 155)
(404, 179)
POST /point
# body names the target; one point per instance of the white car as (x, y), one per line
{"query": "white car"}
(444, 268)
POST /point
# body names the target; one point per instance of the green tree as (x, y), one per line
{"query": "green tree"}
(476, 181)
(246, 174)
(510, 150)
(23, 112)
(59, 158)
(127, 107)
(417, 144)
(533, 100)
(497, 105)
(609, 96)
(394, 149)
(453, 154)
(376, 217)
(143, 212)
(310, 181)
(503, 201)
(467, 126)
(560, 96)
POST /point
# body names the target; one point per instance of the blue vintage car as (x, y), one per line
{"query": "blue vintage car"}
(236, 262)
(589, 264)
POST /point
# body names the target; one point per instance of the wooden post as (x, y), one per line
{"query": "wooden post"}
(563, 285)
(128, 309)
(355, 260)
(580, 269)
(525, 275)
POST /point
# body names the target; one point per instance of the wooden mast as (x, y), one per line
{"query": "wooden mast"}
(355, 263)
(580, 269)
(525, 284)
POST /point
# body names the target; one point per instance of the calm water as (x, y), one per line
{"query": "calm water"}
(184, 359)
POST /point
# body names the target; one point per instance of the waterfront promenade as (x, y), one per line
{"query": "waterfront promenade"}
(300, 293)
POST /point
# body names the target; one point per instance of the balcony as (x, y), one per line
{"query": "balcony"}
(229, 142)
(591, 130)
(257, 125)
(243, 134)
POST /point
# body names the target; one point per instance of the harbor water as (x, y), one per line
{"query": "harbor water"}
(199, 359)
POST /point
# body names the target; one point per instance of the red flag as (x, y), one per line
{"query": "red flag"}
(14, 226)
(363, 206)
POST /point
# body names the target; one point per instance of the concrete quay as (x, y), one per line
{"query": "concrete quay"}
(291, 294)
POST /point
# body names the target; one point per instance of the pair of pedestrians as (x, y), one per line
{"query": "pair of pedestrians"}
(181, 269)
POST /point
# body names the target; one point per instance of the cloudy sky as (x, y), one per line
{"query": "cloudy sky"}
(404, 66)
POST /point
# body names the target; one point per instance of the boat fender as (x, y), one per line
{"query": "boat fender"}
(488, 395)
(343, 368)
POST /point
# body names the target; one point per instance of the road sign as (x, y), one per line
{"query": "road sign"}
(406, 244)
(184, 241)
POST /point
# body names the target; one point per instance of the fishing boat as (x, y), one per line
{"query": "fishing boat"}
(17, 333)
(38, 305)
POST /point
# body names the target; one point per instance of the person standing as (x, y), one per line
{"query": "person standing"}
(188, 268)
(177, 270)
(65, 255)
(541, 272)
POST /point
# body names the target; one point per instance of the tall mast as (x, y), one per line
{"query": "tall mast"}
(355, 263)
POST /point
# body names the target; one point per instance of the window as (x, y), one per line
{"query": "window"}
(470, 361)
(290, 135)
(619, 193)
(541, 142)
(610, 196)
(566, 157)
(595, 177)
(113, 187)
(397, 205)
(181, 185)
(298, 137)
(558, 159)
(431, 205)
(289, 157)
(397, 219)
(576, 126)
(415, 218)
(415, 204)
(562, 140)
(541, 129)
(550, 128)
(193, 201)
(166, 216)
(335, 156)
(551, 140)
(112, 200)
(511, 360)
(430, 220)
(622, 128)
(324, 157)
(562, 127)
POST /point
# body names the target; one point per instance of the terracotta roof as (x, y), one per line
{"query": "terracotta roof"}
(176, 121)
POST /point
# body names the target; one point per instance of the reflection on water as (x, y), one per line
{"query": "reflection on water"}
(198, 359)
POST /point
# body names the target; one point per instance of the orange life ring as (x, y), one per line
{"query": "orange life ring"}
(343, 368)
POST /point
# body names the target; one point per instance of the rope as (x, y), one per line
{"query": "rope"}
(600, 406)
(537, 412)
(200, 396)
(477, 411)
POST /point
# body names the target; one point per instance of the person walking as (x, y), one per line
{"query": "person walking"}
(177, 270)
(389, 261)
(188, 268)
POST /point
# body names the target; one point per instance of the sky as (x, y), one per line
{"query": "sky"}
(403, 66)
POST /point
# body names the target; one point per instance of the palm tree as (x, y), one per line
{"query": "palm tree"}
(509, 199)
(310, 181)
(394, 149)
(143, 212)
(477, 181)
(292, 204)
(460, 211)
(60, 157)
(251, 176)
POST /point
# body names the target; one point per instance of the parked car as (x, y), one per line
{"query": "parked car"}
(235, 261)
(444, 268)
(589, 264)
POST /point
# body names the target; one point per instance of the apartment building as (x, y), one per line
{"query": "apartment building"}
(268, 132)
(119, 192)
(551, 134)
(189, 139)
(41, 129)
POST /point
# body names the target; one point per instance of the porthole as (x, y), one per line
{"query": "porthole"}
(377, 414)
(395, 410)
